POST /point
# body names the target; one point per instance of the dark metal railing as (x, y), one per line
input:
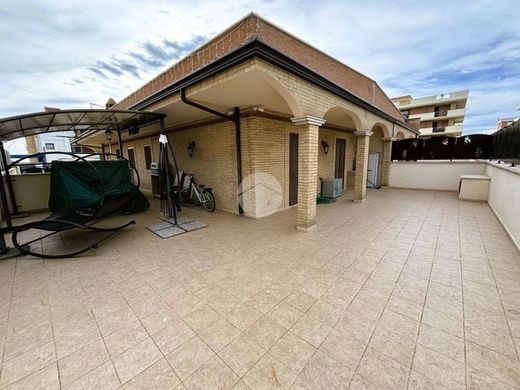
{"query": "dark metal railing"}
(467, 147)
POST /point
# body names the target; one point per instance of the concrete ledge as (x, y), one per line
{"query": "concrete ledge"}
(359, 200)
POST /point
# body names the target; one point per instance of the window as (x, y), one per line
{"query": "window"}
(131, 156)
(406, 113)
(49, 146)
(148, 157)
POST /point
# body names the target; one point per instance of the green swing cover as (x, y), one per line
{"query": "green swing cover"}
(75, 185)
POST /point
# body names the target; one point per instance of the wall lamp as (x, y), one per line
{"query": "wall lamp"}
(325, 147)
(108, 134)
(191, 148)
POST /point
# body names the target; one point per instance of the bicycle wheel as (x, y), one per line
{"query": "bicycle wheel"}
(209, 201)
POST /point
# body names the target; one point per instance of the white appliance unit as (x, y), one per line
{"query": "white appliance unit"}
(373, 170)
(331, 188)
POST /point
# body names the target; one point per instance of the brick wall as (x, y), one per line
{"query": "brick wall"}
(421, 110)
(213, 162)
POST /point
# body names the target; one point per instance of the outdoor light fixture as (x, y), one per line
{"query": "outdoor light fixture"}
(191, 148)
(108, 134)
(325, 147)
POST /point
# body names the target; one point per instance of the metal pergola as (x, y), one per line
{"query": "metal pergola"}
(82, 122)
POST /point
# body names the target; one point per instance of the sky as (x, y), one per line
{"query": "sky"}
(77, 54)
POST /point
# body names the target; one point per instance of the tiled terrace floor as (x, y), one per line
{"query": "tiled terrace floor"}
(411, 290)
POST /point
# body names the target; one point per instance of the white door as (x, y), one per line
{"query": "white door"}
(373, 170)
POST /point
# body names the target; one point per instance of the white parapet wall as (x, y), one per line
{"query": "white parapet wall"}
(504, 189)
(504, 197)
(434, 174)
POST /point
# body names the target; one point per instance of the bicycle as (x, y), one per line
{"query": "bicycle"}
(193, 196)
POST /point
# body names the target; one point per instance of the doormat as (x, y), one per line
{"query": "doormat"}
(166, 227)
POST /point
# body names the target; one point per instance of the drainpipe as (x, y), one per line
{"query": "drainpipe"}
(120, 142)
(236, 119)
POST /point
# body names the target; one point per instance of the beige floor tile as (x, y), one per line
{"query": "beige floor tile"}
(44, 379)
(241, 354)
(266, 332)
(300, 300)
(326, 312)
(82, 361)
(285, 315)
(124, 339)
(116, 321)
(136, 359)
(147, 306)
(156, 377)
(263, 302)
(172, 336)
(492, 364)
(159, 319)
(213, 374)
(223, 303)
(269, 373)
(382, 371)
(17, 344)
(489, 330)
(187, 304)
(442, 342)
(359, 383)
(311, 330)
(478, 380)
(292, 351)
(220, 334)
(73, 332)
(405, 307)
(27, 363)
(439, 367)
(419, 381)
(186, 359)
(443, 321)
(359, 321)
(243, 317)
(322, 372)
(397, 346)
(201, 318)
(343, 349)
(104, 377)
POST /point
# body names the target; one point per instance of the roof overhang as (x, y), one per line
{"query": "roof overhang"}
(259, 49)
(82, 122)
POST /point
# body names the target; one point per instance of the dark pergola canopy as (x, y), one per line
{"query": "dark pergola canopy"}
(79, 121)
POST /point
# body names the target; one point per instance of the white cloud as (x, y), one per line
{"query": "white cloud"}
(58, 52)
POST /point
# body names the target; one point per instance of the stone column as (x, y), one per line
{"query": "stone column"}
(360, 184)
(308, 130)
(387, 157)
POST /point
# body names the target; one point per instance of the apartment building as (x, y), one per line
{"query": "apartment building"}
(439, 115)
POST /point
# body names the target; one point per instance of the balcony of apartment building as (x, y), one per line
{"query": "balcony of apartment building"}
(441, 127)
(433, 100)
(442, 113)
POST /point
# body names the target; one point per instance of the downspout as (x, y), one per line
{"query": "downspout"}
(120, 143)
(236, 119)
